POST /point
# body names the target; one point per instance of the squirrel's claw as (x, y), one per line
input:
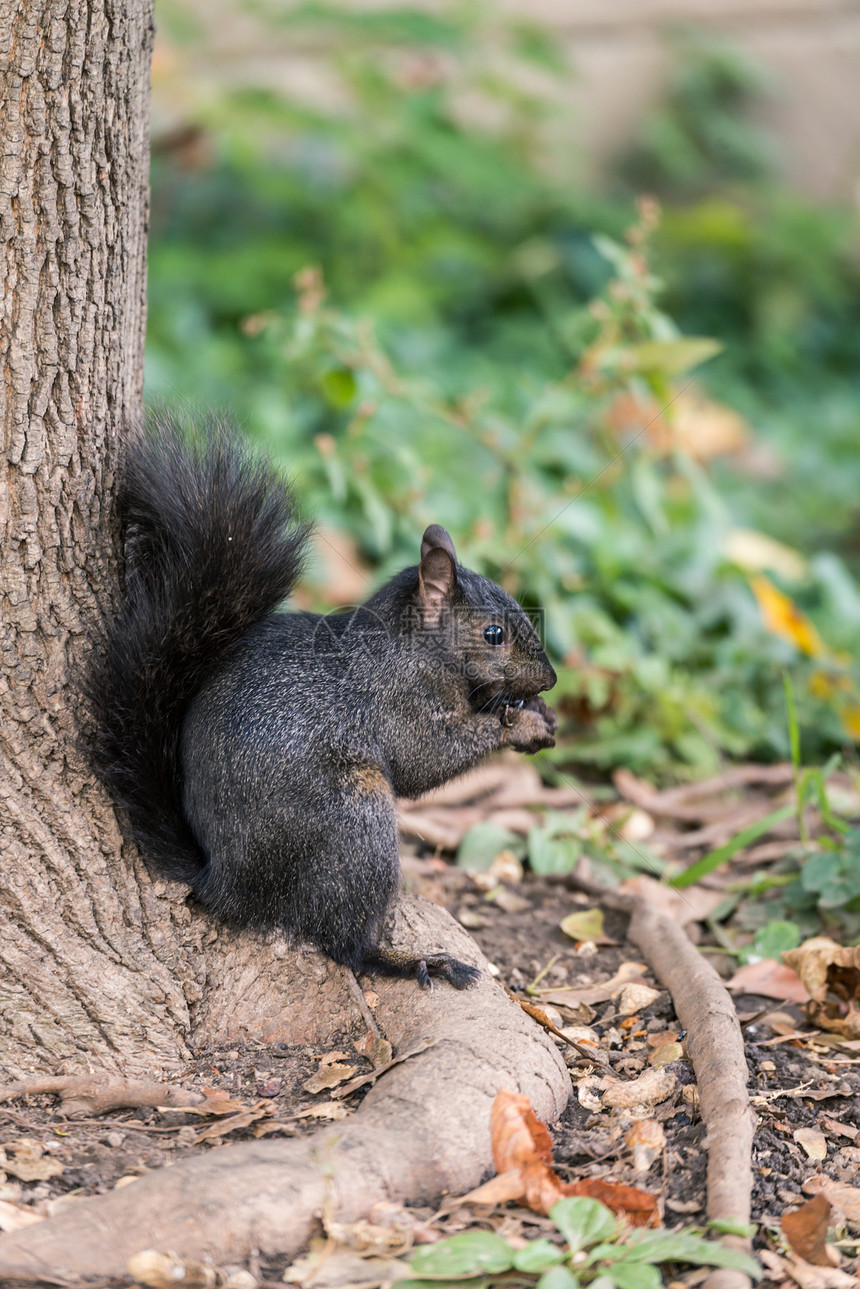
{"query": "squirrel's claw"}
(459, 974)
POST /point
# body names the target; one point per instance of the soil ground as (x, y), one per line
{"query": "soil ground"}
(799, 1080)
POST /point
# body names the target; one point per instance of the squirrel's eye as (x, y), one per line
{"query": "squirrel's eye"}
(494, 634)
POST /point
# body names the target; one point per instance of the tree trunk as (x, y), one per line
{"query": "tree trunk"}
(83, 976)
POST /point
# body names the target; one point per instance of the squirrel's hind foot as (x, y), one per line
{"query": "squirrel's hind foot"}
(388, 962)
(459, 974)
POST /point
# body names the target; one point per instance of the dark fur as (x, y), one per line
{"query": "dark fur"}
(258, 753)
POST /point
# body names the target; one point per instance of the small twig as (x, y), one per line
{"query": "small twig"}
(530, 988)
(538, 1014)
(361, 1002)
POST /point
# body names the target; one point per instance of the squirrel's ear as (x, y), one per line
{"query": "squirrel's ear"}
(436, 536)
(437, 572)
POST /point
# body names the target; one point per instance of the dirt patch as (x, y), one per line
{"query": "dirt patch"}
(805, 1086)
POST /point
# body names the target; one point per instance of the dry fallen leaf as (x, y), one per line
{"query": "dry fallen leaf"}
(770, 979)
(839, 1129)
(758, 553)
(233, 1123)
(699, 427)
(694, 904)
(586, 924)
(667, 1053)
(588, 1094)
(377, 1049)
(369, 1238)
(813, 1142)
(782, 1023)
(635, 996)
(522, 1153)
(831, 974)
(783, 618)
(215, 1101)
(329, 1058)
(361, 1080)
(639, 1095)
(329, 1076)
(805, 1274)
(325, 1110)
(647, 1140)
(509, 901)
(805, 1228)
(572, 995)
(506, 867)
(28, 1161)
(327, 1267)
(844, 1199)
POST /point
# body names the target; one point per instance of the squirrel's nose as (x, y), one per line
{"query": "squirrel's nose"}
(550, 678)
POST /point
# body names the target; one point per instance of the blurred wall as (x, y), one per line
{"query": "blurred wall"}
(811, 48)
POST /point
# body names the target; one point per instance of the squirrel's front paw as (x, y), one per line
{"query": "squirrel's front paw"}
(530, 727)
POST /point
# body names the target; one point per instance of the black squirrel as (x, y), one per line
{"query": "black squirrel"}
(258, 753)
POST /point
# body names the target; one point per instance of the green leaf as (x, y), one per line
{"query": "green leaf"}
(558, 1278)
(583, 1221)
(772, 940)
(484, 842)
(339, 386)
(793, 728)
(671, 357)
(587, 925)
(708, 863)
(436, 1281)
(729, 1226)
(686, 1246)
(471, 1254)
(538, 1255)
(834, 875)
(633, 1275)
(553, 849)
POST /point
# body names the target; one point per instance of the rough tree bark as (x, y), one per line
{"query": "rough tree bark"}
(91, 970)
(101, 967)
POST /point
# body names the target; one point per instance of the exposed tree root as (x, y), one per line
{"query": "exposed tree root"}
(423, 1129)
(83, 1095)
(714, 1045)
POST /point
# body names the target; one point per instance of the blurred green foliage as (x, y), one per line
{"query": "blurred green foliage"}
(474, 328)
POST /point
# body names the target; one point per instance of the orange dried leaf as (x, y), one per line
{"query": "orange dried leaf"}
(216, 1101)
(640, 1208)
(498, 1190)
(522, 1151)
(845, 1199)
(770, 979)
(519, 1138)
(783, 618)
(805, 1228)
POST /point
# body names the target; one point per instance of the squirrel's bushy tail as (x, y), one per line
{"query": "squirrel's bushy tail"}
(212, 545)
